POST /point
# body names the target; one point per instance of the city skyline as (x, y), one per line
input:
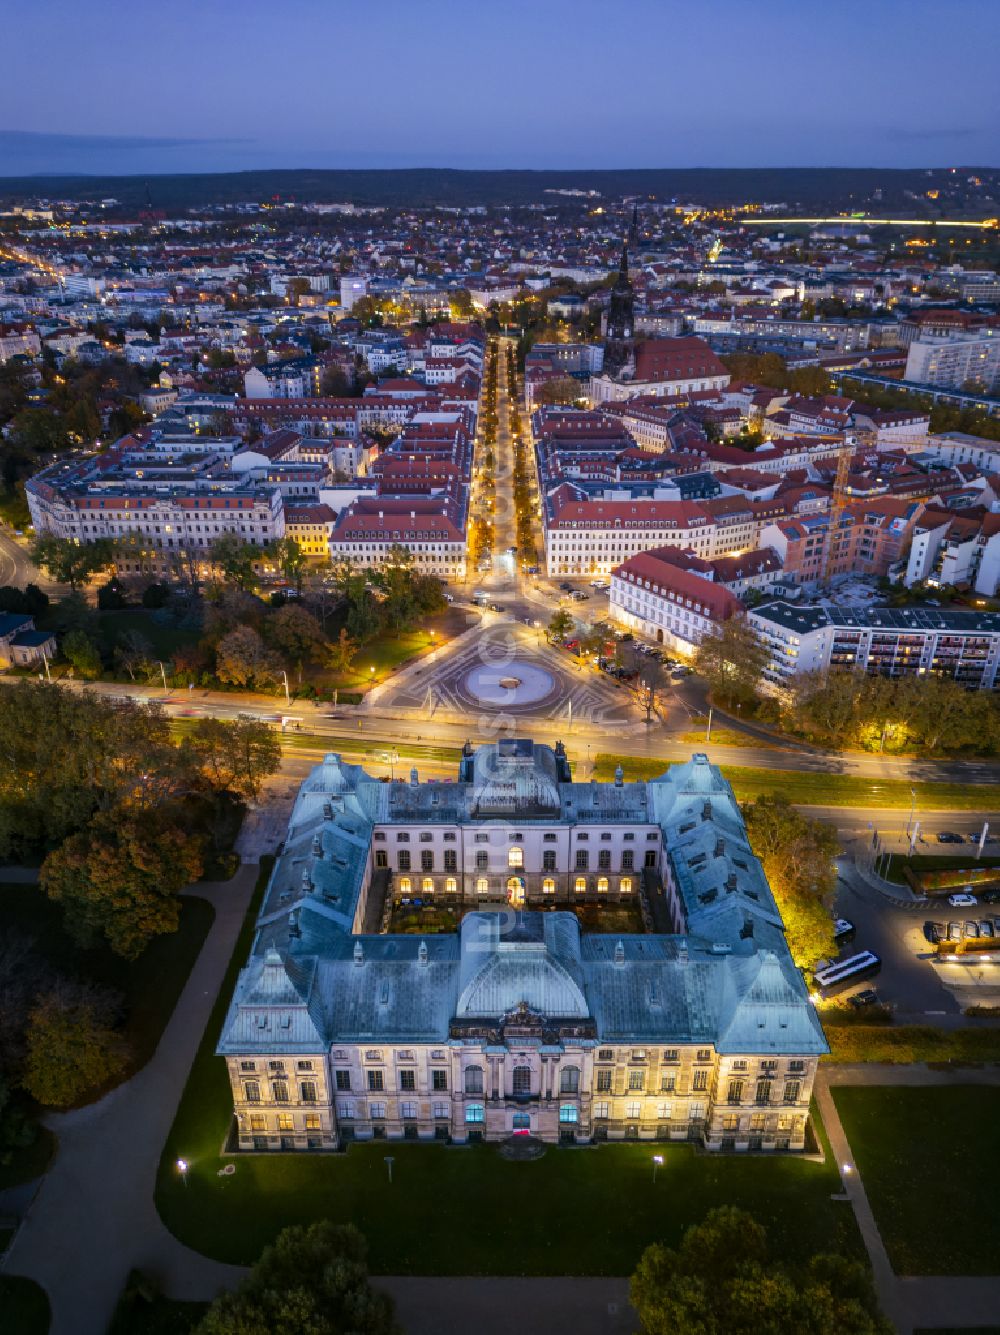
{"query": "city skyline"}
(569, 87)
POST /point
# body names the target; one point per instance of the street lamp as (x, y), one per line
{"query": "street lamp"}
(913, 803)
(657, 1163)
(182, 1168)
(389, 1161)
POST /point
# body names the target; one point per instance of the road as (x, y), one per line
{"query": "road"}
(16, 567)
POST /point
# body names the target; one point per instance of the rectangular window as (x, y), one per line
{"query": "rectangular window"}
(792, 1088)
(258, 1122)
(248, 1066)
(663, 1111)
(308, 1091)
(604, 1082)
(343, 1079)
(251, 1091)
(407, 1079)
(303, 1066)
(375, 1080)
(450, 860)
(763, 1091)
(700, 1080)
(731, 1122)
(439, 1079)
(441, 1111)
(735, 1091)
(482, 861)
(549, 859)
(605, 1055)
(604, 859)
(286, 1122)
(426, 859)
(568, 1113)
(633, 1109)
(475, 1113)
(376, 1111)
(602, 1111)
(628, 859)
(345, 1110)
(408, 1110)
(582, 859)
(280, 1091)
(704, 1055)
(637, 1079)
(403, 859)
(312, 1122)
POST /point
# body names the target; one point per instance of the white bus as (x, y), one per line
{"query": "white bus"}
(845, 973)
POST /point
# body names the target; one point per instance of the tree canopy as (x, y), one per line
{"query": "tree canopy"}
(722, 1280)
(311, 1281)
(732, 661)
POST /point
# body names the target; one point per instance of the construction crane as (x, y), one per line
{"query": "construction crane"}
(838, 503)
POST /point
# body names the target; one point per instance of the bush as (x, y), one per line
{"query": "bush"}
(156, 595)
(110, 597)
(905, 1044)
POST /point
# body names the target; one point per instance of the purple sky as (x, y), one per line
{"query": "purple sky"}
(214, 85)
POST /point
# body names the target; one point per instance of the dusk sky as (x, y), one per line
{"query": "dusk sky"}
(214, 86)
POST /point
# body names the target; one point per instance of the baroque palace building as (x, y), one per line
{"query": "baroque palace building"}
(699, 1028)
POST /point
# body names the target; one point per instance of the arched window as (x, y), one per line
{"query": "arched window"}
(580, 885)
(625, 885)
(427, 885)
(548, 886)
(569, 1080)
(515, 857)
(482, 886)
(522, 1079)
(451, 884)
(404, 885)
(473, 1080)
(602, 885)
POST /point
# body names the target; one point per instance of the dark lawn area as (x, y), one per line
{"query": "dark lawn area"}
(462, 1211)
(142, 1310)
(928, 1159)
(24, 1306)
(389, 649)
(149, 985)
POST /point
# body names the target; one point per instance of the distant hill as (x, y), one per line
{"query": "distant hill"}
(800, 188)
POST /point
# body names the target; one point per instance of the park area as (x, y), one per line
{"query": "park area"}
(926, 1155)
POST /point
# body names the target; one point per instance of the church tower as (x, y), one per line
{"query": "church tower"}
(621, 320)
(633, 231)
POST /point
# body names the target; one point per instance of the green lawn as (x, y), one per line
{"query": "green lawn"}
(501, 1218)
(807, 788)
(24, 1306)
(903, 1044)
(927, 1158)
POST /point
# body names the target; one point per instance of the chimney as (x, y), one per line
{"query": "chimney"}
(620, 954)
(359, 954)
(317, 847)
(413, 776)
(619, 776)
(682, 952)
(422, 952)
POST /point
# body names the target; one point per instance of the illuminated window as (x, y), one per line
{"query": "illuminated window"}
(633, 1109)
(515, 856)
(580, 885)
(482, 886)
(625, 885)
(451, 885)
(475, 1113)
(602, 885)
(568, 1112)
(404, 885)
(427, 885)
(548, 886)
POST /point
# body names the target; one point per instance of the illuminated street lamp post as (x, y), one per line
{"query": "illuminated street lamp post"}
(182, 1168)
(657, 1163)
(389, 1161)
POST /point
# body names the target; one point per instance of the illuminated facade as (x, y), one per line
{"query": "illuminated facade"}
(697, 1028)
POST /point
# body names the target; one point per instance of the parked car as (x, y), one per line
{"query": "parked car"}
(962, 900)
(986, 928)
(935, 932)
(949, 837)
(869, 997)
(954, 931)
(971, 930)
(991, 896)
